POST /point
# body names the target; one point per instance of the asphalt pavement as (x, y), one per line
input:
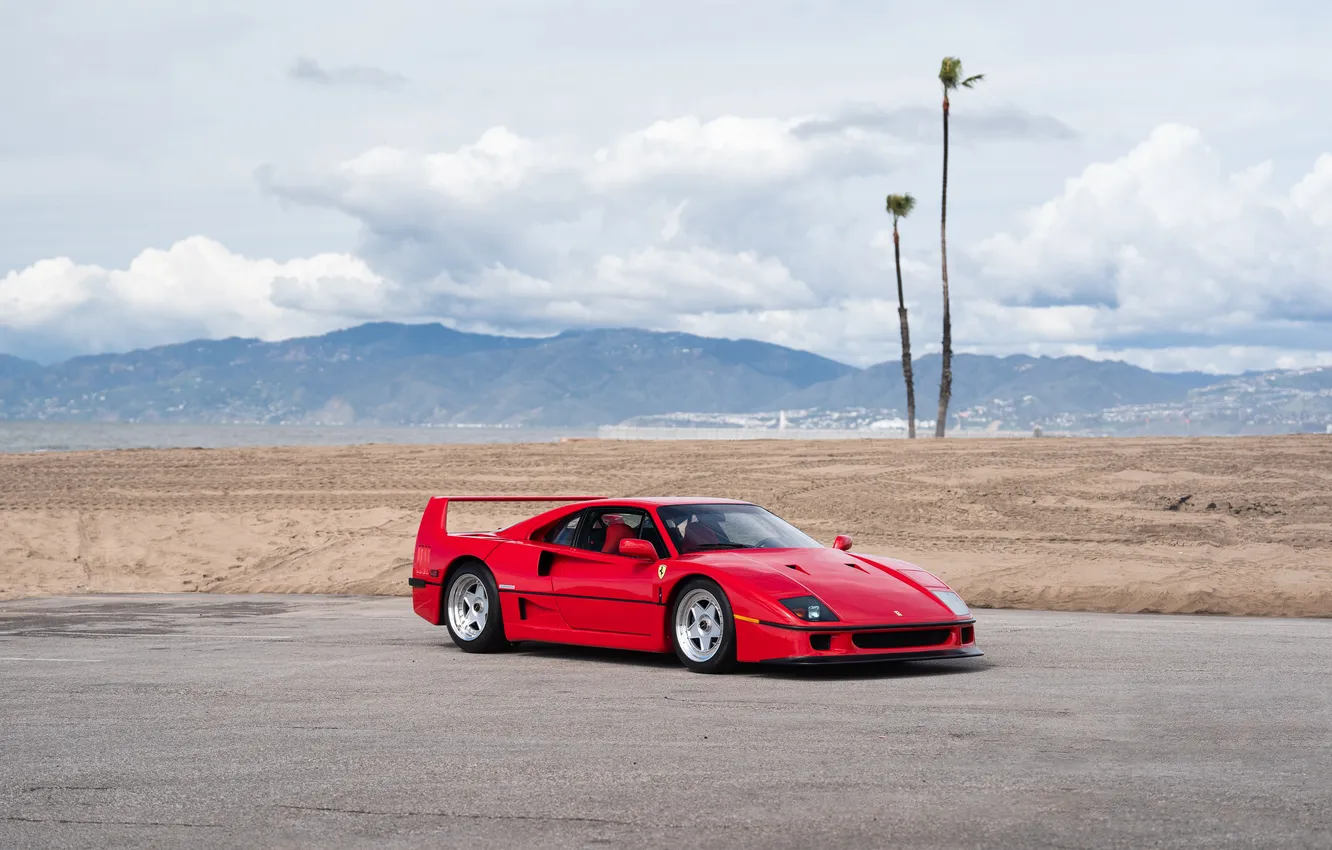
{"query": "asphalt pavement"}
(285, 721)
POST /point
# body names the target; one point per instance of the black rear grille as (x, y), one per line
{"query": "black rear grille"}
(900, 639)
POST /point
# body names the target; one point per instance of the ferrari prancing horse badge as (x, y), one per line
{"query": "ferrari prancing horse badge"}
(661, 571)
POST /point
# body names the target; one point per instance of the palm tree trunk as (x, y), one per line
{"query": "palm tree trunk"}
(946, 377)
(906, 340)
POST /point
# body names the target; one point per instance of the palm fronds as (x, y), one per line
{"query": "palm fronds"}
(900, 206)
(950, 74)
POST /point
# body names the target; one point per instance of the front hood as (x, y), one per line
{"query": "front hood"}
(860, 590)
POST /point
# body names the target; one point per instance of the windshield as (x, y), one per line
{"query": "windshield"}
(700, 528)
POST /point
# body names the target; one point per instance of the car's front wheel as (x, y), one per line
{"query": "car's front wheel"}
(703, 627)
(472, 609)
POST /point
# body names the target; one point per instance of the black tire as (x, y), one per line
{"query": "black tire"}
(486, 630)
(721, 659)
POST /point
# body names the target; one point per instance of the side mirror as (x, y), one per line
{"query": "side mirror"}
(632, 548)
(843, 542)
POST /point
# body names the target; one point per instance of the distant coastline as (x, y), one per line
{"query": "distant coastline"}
(22, 437)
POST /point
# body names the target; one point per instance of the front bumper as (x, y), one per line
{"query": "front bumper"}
(758, 641)
(880, 657)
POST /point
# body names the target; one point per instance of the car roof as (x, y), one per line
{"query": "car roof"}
(524, 529)
(660, 501)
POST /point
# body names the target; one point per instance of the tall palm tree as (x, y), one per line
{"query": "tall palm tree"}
(900, 206)
(950, 74)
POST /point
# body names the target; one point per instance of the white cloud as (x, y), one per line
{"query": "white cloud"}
(699, 276)
(1313, 195)
(734, 150)
(1163, 243)
(655, 287)
(498, 162)
(682, 218)
(505, 182)
(195, 288)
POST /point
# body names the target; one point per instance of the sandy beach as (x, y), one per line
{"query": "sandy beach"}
(1226, 526)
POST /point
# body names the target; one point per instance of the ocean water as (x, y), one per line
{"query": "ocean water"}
(84, 436)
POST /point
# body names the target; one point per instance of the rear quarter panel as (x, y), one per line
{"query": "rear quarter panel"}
(437, 554)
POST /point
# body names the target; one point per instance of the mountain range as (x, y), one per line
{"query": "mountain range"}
(388, 373)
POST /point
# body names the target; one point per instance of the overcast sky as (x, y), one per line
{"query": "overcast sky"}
(1150, 181)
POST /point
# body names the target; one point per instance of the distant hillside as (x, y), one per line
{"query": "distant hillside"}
(1037, 387)
(415, 374)
(14, 367)
(15, 378)
(1297, 400)
(387, 373)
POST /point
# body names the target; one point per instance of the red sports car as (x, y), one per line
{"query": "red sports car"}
(714, 580)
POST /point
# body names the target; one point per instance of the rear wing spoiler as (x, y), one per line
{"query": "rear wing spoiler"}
(436, 514)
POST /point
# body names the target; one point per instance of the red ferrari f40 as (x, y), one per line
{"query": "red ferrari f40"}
(715, 581)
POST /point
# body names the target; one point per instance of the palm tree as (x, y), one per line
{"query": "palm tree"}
(950, 74)
(900, 206)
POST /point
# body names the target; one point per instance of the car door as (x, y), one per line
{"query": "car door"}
(605, 591)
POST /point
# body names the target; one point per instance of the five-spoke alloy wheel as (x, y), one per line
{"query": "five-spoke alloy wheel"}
(703, 628)
(472, 609)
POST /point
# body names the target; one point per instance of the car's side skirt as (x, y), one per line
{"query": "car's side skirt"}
(586, 637)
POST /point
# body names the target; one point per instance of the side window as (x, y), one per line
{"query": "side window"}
(649, 532)
(606, 527)
(563, 534)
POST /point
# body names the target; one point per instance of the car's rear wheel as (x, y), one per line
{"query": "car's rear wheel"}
(703, 627)
(472, 609)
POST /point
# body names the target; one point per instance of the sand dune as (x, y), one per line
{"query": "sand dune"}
(1094, 525)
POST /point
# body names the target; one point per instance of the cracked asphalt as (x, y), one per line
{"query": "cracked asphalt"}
(284, 721)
